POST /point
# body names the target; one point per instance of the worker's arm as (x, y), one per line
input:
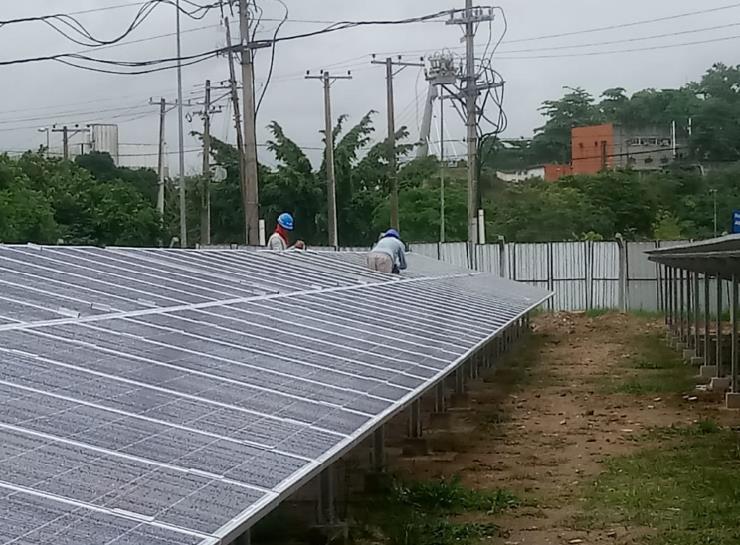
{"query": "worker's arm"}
(402, 257)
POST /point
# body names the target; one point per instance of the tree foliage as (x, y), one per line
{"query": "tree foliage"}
(92, 201)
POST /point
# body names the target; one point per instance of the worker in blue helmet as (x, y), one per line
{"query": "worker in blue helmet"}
(279, 241)
(389, 254)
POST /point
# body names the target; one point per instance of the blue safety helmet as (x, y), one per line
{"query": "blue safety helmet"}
(286, 222)
(392, 233)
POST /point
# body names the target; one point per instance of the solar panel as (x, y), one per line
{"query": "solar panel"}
(213, 382)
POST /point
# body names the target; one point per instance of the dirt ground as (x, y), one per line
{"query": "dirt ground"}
(544, 425)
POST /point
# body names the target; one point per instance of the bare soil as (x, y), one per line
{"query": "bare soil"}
(544, 424)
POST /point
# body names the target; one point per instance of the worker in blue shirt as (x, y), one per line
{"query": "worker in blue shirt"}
(389, 254)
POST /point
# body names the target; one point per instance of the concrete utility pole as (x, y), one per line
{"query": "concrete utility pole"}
(250, 128)
(470, 20)
(205, 212)
(471, 98)
(181, 122)
(331, 180)
(442, 166)
(234, 87)
(205, 205)
(390, 64)
(160, 162)
(164, 108)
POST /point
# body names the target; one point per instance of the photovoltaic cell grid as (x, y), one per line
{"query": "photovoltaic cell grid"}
(174, 396)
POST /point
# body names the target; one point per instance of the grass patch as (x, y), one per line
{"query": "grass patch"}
(653, 369)
(429, 513)
(685, 490)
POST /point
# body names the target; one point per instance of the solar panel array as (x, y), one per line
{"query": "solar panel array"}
(168, 396)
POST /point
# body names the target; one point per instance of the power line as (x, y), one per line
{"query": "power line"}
(626, 25)
(620, 51)
(625, 40)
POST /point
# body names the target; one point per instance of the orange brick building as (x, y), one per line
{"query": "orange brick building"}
(593, 148)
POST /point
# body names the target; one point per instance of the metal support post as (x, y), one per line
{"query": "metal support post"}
(689, 309)
(734, 350)
(682, 305)
(718, 348)
(327, 483)
(415, 431)
(460, 380)
(669, 299)
(440, 402)
(378, 460)
(697, 314)
(707, 321)
(676, 316)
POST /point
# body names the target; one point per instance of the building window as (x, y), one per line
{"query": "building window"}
(666, 142)
(649, 160)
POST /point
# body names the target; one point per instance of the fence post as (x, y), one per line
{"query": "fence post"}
(550, 274)
(622, 282)
(502, 257)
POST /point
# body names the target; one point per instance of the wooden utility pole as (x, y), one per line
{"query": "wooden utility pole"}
(331, 180)
(66, 133)
(390, 64)
(250, 129)
(65, 141)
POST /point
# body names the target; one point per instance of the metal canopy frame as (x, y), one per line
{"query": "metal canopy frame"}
(197, 329)
(717, 259)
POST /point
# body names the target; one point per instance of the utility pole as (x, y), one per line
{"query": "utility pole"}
(65, 141)
(181, 121)
(160, 162)
(234, 88)
(390, 64)
(66, 134)
(470, 21)
(471, 98)
(164, 108)
(205, 210)
(250, 127)
(331, 180)
(442, 170)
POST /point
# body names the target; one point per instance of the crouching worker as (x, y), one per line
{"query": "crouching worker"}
(388, 255)
(279, 241)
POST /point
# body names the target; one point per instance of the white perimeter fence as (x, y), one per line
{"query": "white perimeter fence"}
(584, 275)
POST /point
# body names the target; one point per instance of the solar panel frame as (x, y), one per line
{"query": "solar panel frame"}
(405, 336)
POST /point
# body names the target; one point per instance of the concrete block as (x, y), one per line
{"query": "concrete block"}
(697, 361)
(733, 401)
(679, 345)
(719, 385)
(708, 371)
(688, 354)
(413, 448)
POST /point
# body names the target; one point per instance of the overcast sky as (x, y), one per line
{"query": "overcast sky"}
(41, 94)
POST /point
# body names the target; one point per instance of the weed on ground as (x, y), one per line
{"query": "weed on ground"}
(430, 513)
(684, 490)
